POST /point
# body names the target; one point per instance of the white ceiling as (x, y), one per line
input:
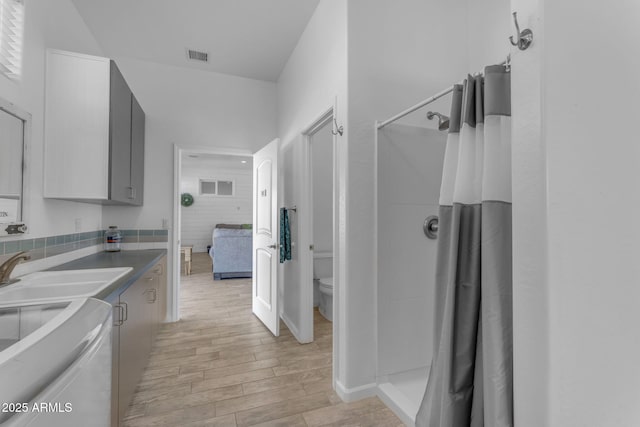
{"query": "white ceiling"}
(247, 38)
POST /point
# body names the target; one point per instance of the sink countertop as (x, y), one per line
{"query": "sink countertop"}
(141, 261)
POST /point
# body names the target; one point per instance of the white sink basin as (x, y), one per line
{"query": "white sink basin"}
(48, 346)
(54, 286)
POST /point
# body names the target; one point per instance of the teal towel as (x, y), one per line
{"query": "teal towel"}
(285, 236)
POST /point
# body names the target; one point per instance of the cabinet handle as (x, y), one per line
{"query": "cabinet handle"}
(120, 320)
(126, 311)
(132, 192)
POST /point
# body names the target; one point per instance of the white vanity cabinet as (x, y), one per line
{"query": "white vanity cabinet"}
(94, 132)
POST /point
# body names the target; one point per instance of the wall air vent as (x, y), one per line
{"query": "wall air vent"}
(196, 55)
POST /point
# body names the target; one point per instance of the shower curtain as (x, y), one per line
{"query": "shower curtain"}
(471, 377)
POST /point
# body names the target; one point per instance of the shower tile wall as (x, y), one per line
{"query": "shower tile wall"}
(409, 174)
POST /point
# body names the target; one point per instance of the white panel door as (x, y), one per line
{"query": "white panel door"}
(266, 236)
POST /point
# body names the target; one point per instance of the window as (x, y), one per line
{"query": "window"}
(215, 187)
(11, 33)
(225, 188)
(207, 187)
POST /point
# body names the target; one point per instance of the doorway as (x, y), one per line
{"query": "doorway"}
(318, 260)
(321, 218)
(212, 188)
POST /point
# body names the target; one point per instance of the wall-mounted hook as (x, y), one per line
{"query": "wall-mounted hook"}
(525, 37)
(338, 130)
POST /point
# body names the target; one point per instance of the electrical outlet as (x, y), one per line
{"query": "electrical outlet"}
(78, 222)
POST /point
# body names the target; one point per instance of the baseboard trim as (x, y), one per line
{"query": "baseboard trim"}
(355, 393)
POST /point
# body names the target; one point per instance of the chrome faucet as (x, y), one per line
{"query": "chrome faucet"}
(7, 267)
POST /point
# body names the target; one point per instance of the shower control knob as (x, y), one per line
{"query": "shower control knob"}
(430, 227)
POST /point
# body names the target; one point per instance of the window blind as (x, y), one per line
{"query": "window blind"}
(11, 34)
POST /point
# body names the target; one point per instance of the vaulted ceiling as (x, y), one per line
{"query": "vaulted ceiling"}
(247, 38)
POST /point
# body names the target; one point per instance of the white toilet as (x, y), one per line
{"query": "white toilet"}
(326, 298)
(323, 272)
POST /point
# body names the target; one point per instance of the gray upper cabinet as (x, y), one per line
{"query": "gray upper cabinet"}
(120, 131)
(94, 132)
(137, 152)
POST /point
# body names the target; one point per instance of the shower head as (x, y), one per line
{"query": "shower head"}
(443, 121)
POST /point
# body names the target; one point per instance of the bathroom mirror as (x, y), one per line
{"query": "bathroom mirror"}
(15, 126)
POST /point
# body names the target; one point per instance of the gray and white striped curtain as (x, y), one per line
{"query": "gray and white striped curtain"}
(471, 377)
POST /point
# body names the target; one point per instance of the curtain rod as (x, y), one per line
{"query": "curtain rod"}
(428, 101)
(415, 107)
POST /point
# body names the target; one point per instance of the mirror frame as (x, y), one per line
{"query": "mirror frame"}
(25, 116)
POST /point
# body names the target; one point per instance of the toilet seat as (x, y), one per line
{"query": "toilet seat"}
(327, 281)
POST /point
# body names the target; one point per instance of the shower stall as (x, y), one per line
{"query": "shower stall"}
(409, 162)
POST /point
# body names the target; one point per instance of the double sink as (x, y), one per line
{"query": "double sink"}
(56, 286)
(48, 325)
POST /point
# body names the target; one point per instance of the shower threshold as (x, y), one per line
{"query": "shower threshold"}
(403, 392)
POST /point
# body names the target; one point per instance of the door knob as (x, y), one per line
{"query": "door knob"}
(274, 246)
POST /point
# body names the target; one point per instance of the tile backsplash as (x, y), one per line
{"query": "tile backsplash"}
(44, 247)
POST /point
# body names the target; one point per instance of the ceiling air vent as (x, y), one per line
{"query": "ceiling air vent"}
(196, 55)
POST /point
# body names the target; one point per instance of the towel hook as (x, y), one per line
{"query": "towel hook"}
(339, 130)
(525, 37)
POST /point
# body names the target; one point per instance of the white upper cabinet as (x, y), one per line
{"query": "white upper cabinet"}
(94, 132)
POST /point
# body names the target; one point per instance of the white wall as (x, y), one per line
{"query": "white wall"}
(193, 109)
(401, 53)
(289, 279)
(199, 219)
(410, 161)
(315, 74)
(489, 25)
(531, 321)
(314, 78)
(583, 312)
(48, 25)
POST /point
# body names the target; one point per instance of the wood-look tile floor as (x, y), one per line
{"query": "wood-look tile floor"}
(219, 366)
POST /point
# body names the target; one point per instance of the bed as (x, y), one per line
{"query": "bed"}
(231, 251)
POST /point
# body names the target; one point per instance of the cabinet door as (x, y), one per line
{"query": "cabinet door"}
(115, 366)
(76, 126)
(137, 152)
(160, 270)
(120, 138)
(152, 304)
(135, 342)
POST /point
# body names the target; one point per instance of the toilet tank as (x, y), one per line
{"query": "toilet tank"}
(322, 265)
